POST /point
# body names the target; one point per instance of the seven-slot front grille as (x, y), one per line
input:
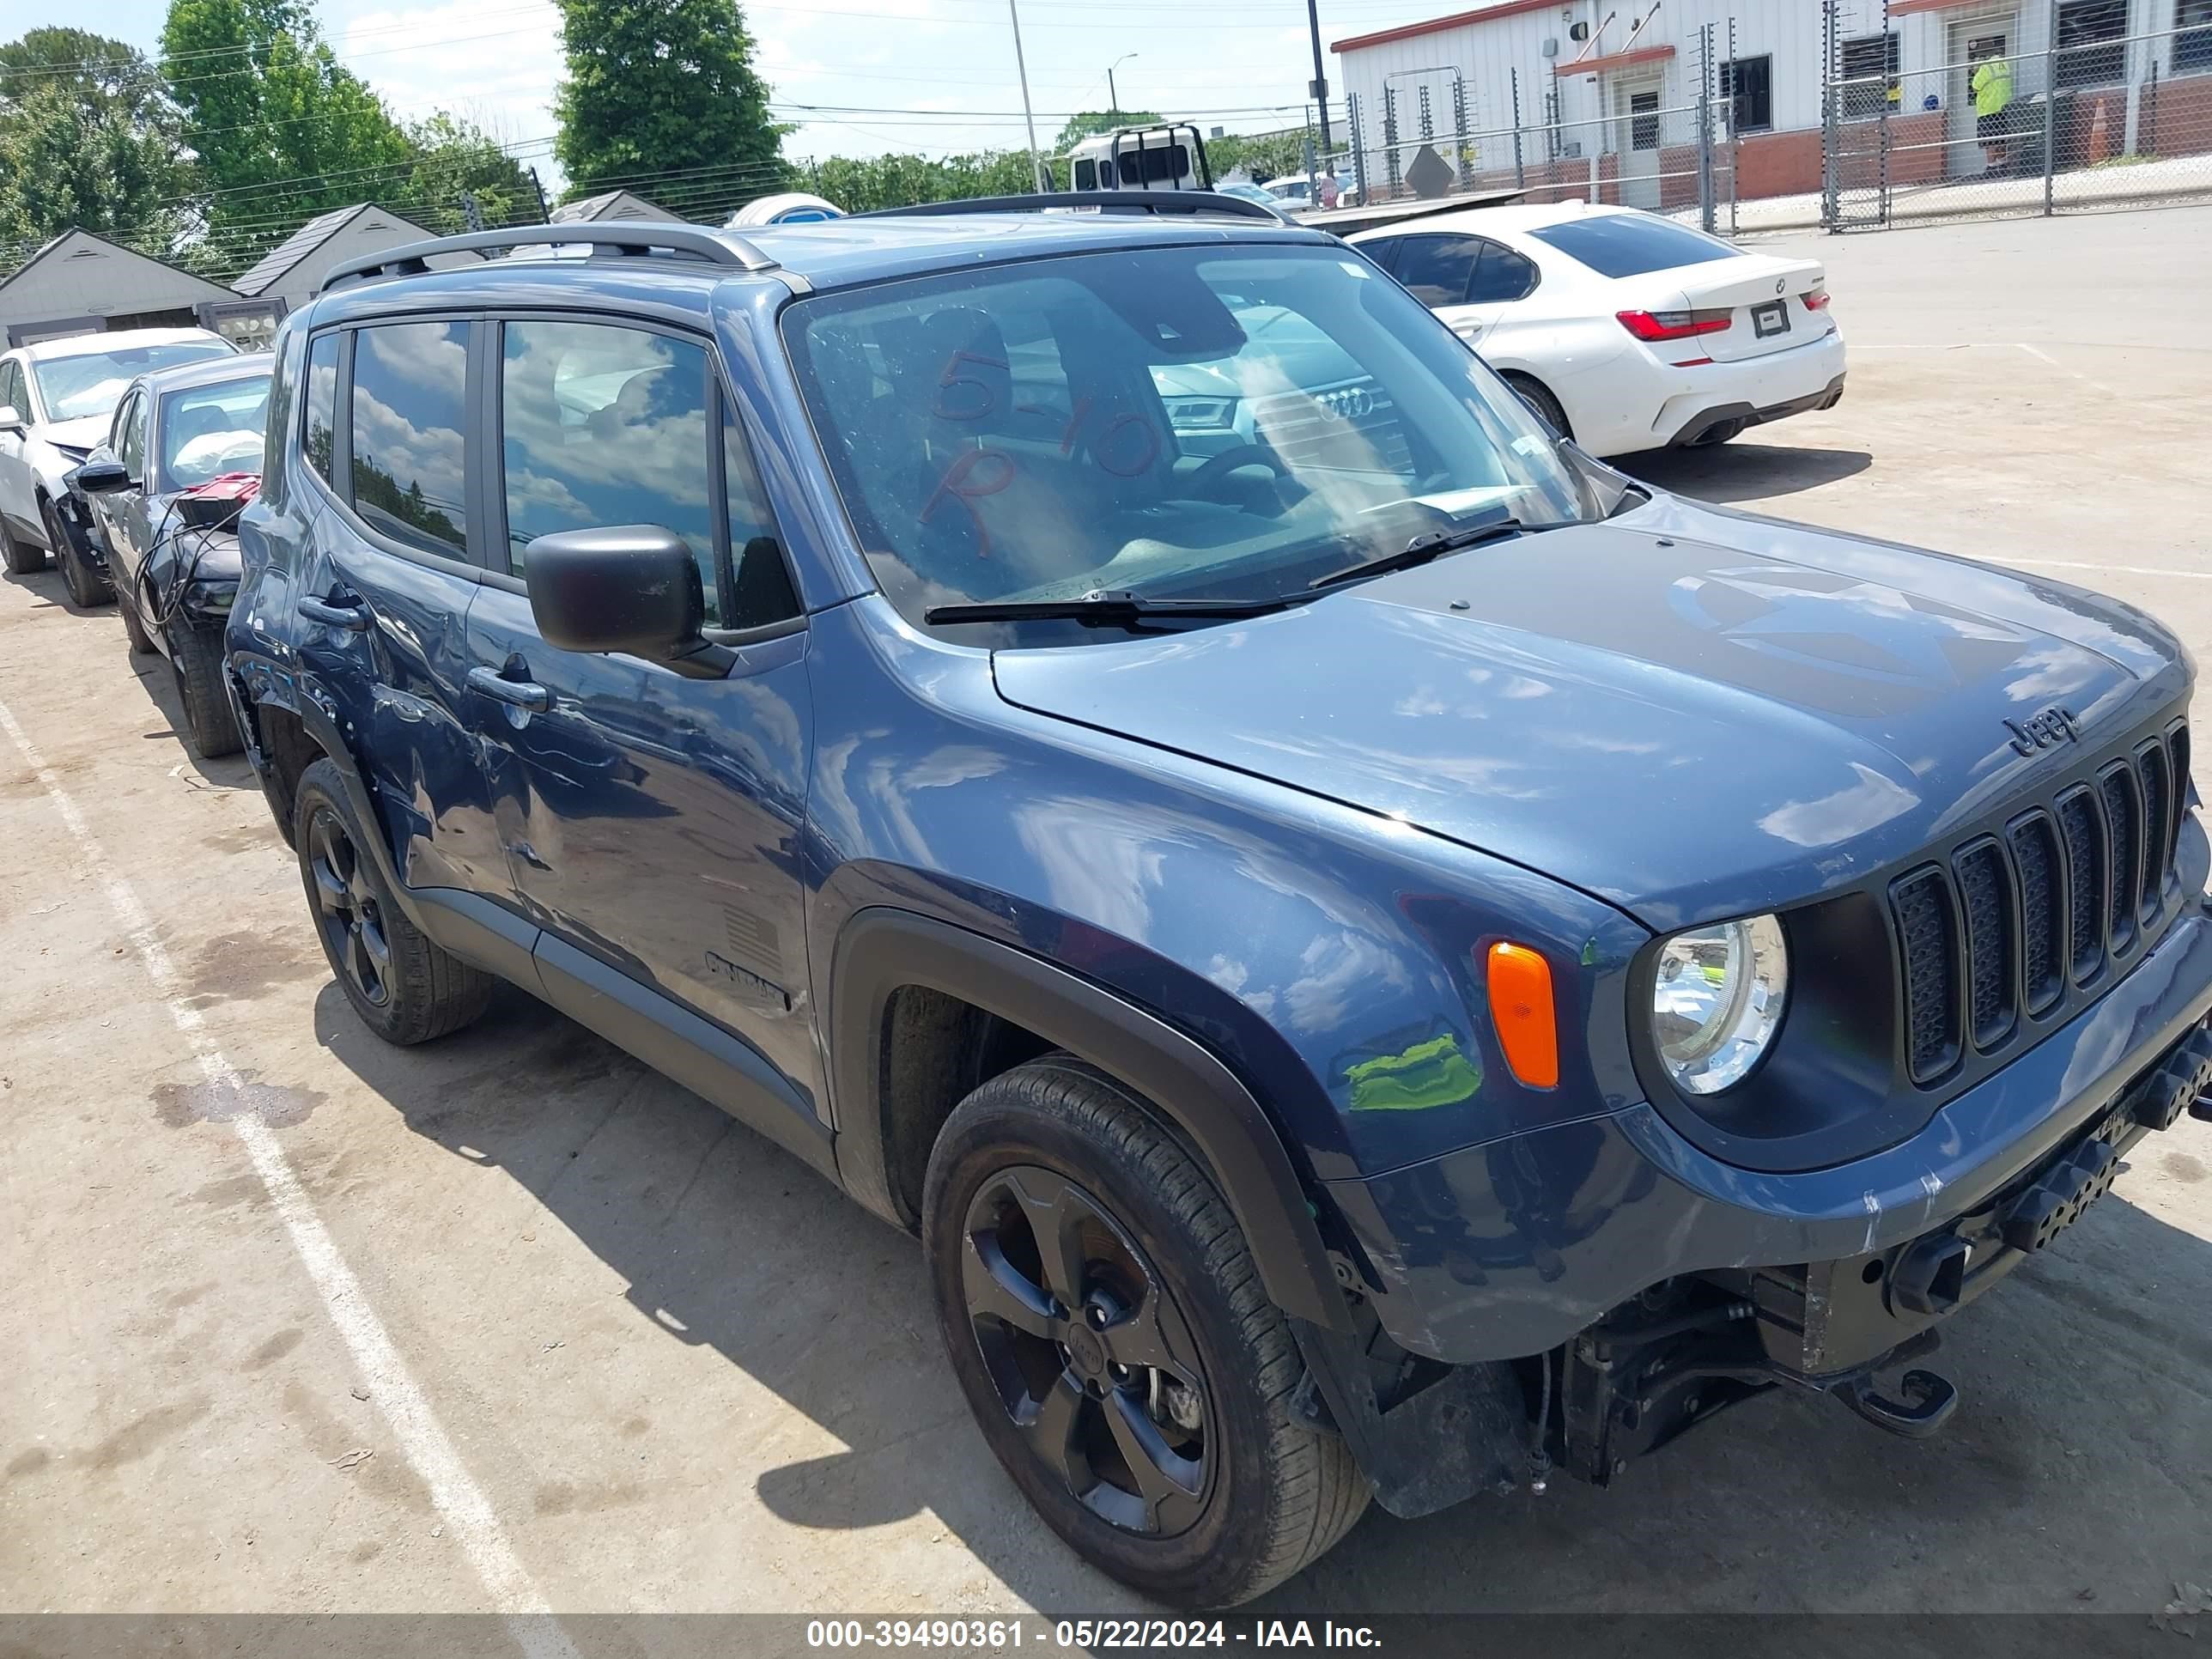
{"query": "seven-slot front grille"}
(2066, 889)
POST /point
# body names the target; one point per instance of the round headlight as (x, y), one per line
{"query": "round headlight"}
(1717, 1000)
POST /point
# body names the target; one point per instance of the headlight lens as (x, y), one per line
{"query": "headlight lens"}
(1717, 1000)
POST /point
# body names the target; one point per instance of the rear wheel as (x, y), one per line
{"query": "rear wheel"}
(404, 988)
(1540, 400)
(134, 625)
(1107, 1324)
(86, 585)
(196, 655)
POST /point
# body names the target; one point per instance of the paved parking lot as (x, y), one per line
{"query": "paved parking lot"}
(509, 1322)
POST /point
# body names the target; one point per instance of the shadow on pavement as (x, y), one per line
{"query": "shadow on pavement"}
(1743, 471)
(2075, 1477)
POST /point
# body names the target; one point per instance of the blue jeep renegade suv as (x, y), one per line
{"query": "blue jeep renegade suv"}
(1378, 956)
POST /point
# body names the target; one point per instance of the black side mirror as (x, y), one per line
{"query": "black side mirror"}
(102, 477)
(632, 588)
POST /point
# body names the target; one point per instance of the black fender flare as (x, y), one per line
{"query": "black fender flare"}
(882, 949)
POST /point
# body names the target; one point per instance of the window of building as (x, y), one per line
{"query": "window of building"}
(1438, 270)
(2192, 44)
(1747, 85)
(2092, 45)
(409, 411)
(1870, 83)
(322, 402)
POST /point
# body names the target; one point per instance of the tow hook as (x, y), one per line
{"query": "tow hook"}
(1928, 1401)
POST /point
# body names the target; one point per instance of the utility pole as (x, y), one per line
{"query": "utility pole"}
(1113, 97)
(1320, 88)
(1036, 163)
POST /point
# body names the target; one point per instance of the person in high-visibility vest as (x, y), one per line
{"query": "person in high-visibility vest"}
(1991, 85)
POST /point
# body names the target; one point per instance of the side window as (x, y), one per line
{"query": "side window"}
(410, 399)
(322, 401)
(1438, 270)
(760, 586)
(1383, 249)
(606, 425)
(131, 435)
(11, 388)
(1501, 275)
(1087, 175)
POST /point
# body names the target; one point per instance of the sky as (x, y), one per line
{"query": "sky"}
(933, 76)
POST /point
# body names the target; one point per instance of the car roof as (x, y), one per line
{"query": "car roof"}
(86, 346)
(826, 253)
(213, 372)
(1517, 217)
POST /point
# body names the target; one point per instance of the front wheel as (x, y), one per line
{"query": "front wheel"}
(1108, 1327)
(87, 586)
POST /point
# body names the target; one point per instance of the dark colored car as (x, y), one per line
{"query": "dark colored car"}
(172, 555)
(1381, 958)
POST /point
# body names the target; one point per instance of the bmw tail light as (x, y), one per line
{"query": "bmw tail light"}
(1817, 300)
(1653, 326)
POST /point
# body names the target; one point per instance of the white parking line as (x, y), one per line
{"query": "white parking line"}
(461, 1503)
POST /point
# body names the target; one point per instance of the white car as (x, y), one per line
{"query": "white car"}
(55, 400)
(1623, 330)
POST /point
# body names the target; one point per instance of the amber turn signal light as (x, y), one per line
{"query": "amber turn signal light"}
(1521, 1010)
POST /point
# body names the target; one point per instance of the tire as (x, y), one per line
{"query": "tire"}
(87, 586)
(196, 656)
(1540, 400)
(23, 557)
(134, 625)
(404, 988)
(1237, 1502)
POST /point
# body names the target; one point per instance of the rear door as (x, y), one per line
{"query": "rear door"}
(382, 595)
(655, 817)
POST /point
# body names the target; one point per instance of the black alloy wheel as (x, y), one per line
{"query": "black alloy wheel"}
(1093, 1360)
(348, 910)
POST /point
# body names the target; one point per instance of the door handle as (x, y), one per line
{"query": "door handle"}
(521, 694)
(353, 617)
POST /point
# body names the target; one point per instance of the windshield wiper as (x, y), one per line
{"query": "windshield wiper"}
(1109, 607)
(1419, 551)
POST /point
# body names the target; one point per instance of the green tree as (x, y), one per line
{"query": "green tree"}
(665, 87)
(1093, 122)
(1262, 155)
(858, 184)
(453, 156)
(281, 129)
(89, 137)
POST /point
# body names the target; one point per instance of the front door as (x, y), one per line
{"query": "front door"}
(1969, 44)
(654, 816)
(16, 486)
(1637, 105)
(122, 513)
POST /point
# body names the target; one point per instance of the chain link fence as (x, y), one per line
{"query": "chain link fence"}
(1680, 161)
(2110, 121)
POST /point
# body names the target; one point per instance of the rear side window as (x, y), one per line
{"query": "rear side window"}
(1438, 270)
(410, 397)
(320, 440)
(1631, 244)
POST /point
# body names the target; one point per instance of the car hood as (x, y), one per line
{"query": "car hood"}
(82, 433)
(1688, 712)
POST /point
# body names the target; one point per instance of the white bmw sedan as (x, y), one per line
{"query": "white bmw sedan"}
(1623, 330)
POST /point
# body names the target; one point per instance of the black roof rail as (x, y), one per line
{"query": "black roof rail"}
(635, 240)
(1106, 201)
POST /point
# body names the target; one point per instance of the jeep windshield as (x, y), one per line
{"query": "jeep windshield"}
(1218, 424)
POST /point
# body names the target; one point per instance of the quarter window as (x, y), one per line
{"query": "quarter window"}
(11, 389)
(1438, 270)
(1501, 276)
(322, 401)
(409, 395)
(131, 436)
(604, 425)
(760, 587)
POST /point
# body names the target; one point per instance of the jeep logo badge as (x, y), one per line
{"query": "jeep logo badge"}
(2053, 726)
